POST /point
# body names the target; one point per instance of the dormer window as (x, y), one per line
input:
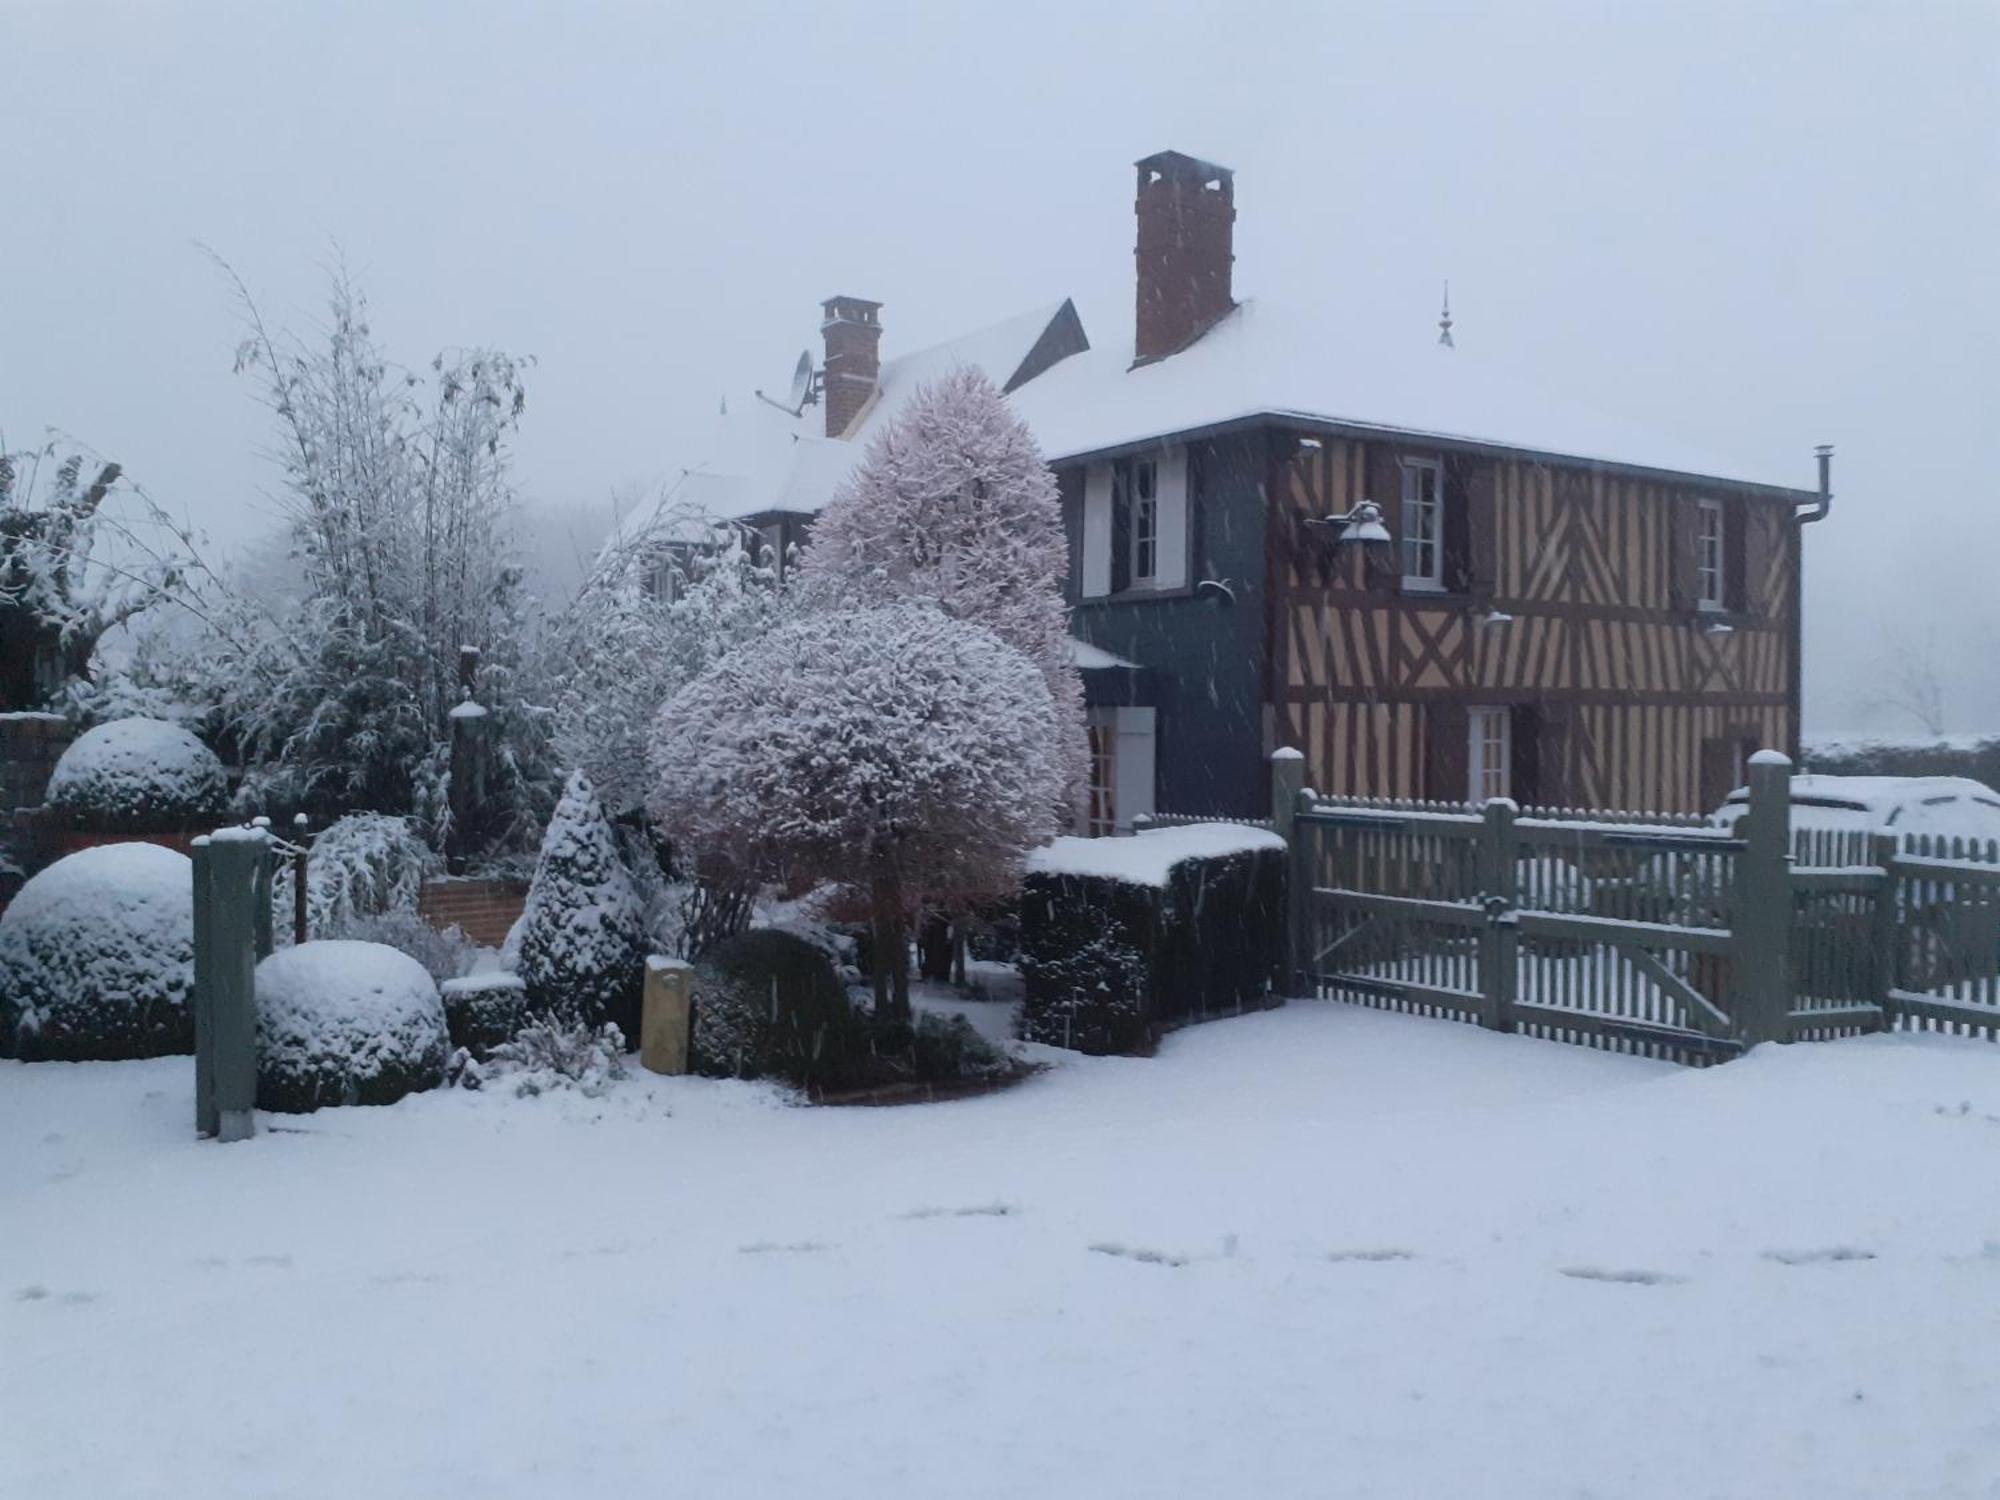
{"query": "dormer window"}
(1423, 523)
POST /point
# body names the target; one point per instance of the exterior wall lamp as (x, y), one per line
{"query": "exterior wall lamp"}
(1362, 524)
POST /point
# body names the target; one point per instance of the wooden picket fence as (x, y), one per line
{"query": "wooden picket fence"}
(1657, 935)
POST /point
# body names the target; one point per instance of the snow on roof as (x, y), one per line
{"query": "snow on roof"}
(1088, 658)
(1266, 358)
(763, 458)
(1148, 858)
(1880, 795)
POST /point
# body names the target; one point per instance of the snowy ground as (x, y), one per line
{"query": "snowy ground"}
(1314, 1252)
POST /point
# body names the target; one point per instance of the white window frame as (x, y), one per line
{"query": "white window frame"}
(1489, 757)
(1711, 556)
(1422, 524)
(1100, 809)
(1138, 481)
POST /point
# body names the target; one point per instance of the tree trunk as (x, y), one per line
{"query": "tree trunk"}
(891, 956)
(934, 947)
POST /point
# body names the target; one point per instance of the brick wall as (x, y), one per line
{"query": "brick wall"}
(30, 746)
(483, 909)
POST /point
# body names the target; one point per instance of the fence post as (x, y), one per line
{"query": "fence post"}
(1887, 930)
(225, 991)
(1763, 922)
(1288, 780)
(260, 894)
(1500, 938)
(299, 878)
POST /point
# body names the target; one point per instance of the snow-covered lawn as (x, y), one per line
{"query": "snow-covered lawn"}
(1319, 1252)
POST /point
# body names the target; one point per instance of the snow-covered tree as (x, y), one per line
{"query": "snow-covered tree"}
(79, 556)
(892, 749)
(665, 602)
(399, 509)
(953, 503)
(582, 946)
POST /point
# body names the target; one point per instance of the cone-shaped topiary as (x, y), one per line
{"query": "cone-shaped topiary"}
(582, 935)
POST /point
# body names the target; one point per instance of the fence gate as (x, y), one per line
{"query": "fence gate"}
(1664, 937)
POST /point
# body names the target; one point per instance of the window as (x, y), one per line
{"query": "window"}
(1490, 754)
(771, 547)
(1136, 486)
(1710, 548)
(662, 578)
(1102, 814)
(1423, 523)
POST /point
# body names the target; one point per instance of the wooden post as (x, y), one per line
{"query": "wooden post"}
(1288, 779)
(1763, 926)
(1500, 938)
(1886, 929)
(664, 1020)
(225, 1013)
(299, 878)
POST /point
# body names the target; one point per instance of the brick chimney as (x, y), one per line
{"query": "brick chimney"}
(853, 331)
(1187, 217)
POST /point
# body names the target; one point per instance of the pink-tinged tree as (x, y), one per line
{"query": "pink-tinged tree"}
(953, 503)
(891, 749)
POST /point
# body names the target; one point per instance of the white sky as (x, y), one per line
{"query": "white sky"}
(1759, 227)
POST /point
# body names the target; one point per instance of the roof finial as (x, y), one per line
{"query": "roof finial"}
(1444, 322)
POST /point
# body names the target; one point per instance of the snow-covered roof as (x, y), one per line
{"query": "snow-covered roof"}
(1882, 795)
(1266, 358)
(763, 458)
(1088, 658)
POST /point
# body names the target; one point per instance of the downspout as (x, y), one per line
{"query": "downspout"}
(1805, 515)
(1816, 510)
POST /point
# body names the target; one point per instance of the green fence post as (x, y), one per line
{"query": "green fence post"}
(234, 857)
(206, 1120)
(1762, 935)
(260, 894)
(1887, 929)
(1500, 938)
(1288, 779)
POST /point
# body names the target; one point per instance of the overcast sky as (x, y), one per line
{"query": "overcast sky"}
(1756, 227)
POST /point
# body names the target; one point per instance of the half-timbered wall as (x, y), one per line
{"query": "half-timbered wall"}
(1569, 596)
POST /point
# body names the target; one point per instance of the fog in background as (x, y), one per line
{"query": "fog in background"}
(1753, 227)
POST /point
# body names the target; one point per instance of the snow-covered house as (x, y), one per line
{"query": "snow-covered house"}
(1568, 610)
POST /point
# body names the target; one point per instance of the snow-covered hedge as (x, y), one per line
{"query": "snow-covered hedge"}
(484, 1011)
(341, 1022)
(138, 776)
(363, 865)
(769, 1004)
(97, 957)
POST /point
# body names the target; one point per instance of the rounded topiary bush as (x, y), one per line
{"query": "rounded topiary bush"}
(97, 957)
(768, 1004)
(342, 1022)
(137, 776)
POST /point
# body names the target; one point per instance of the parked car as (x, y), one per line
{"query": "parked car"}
(1953, 806)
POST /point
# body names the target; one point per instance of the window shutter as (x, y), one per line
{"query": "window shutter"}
(1683, 522)
(1526, 733)
(1096, 580)
(1457, 497)
(1447, 752)
(1132, 766)
(1737, 577)
(1383, 567)
(1121, 532)
(1171, 486)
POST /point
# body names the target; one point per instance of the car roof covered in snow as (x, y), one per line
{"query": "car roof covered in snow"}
(1882, 797)
(1267, 359)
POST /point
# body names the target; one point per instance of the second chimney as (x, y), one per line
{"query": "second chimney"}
(852, 328)
(1187, 218)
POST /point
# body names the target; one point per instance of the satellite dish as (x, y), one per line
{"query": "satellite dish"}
(802, 382)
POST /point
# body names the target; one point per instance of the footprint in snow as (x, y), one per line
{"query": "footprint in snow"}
(1826, 1256)
(1138, 1253)
(1630, 1278)
(274, 1262)
(977, 1211)
(39, 1293)
(1370, 1255)
(766, 1247)
(407, 1278)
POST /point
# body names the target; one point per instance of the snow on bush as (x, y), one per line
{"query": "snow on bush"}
(769, 1004)
(581, 938)
(445, 954)
(548, 1055)
(893, 750)
(1085, 984)
(97, 957)
(482, 1011)
(342, 1022)
(954, 504)
(362, 865)
(138, 776)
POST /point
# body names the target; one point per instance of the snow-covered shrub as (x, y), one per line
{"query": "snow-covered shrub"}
(445, 954)
(552, 1054)
(948, 1049)
(484, 1010)
(138, 776)
(1085, 978)
(953, 504)
(581, 939)
(768, 1004)
(97, 957)
(893, 749)
(362, 865)
(341, 1022)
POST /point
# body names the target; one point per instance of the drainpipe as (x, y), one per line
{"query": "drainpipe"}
(1817, 510)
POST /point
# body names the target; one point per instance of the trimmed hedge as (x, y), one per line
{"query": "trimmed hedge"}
(1110, 962)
